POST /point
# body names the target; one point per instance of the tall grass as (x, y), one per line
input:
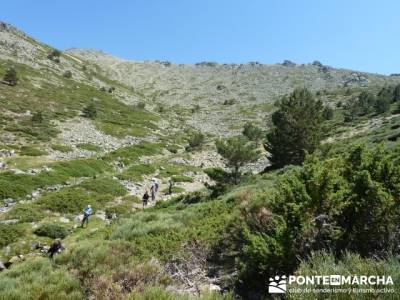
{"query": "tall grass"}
(37, 279)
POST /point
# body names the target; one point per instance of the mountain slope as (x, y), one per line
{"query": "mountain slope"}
(204, 234)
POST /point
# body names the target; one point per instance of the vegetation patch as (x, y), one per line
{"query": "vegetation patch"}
(54, 231)
(25, 213)
(61, 148)
(120, 210)
(136, 172)
(133, 153)
(71, 200)
(31, 151)
(40, 280)
(104, 186)
(9, 233)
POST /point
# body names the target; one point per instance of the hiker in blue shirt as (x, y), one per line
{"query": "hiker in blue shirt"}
(86, 214)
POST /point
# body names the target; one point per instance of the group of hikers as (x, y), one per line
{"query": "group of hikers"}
(88, 211)
(153, 192)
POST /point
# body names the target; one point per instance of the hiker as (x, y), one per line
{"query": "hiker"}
(145, 198)
(156, 185)
(170, 185)
(154, 189)
(86, 214)
(55, 248)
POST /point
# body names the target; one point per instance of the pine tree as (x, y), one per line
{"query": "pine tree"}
(296, 128)
(365, 102)
(384, 99)
(238, 152)
(252, 132)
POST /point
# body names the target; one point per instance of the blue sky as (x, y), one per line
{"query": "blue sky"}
(355, 34)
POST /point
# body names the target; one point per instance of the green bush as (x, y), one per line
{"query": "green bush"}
(252, 132)
(120, 210)
(25, 213)
(18, 185)
(196, 140)
(38, 279)
(136, 172)
(104, 186)
(10, 233)
(67, 200)
(61, 148)
(344, 203)
(133, 153)
(10, 189)
(31, 151)
(89, 147)
(237, 152)
(53, 231)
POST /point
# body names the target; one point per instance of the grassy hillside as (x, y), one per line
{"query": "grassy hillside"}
(81, 127)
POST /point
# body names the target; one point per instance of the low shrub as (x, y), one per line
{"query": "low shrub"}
(54, 231)
(37, 279)
(136, 172)
(18, 185)
(67, 200)
(61, 148)
(195, 140)
(9, 233)
(25, 213)
(133, 153)
(31, 151)
(120, 210)
(104, 186)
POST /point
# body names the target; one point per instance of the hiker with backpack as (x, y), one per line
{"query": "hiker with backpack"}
(145, 199)
(87, 212)
(55, 248)
(154, 189)
(170, 185)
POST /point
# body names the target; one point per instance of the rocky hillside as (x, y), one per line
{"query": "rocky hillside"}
(230, 92)
(82, 127)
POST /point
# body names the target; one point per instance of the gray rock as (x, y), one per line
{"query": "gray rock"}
(2, 266)
(11, 221)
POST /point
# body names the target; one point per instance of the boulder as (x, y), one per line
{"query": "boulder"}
(11, 221)
(2, 266)
(63, 220)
